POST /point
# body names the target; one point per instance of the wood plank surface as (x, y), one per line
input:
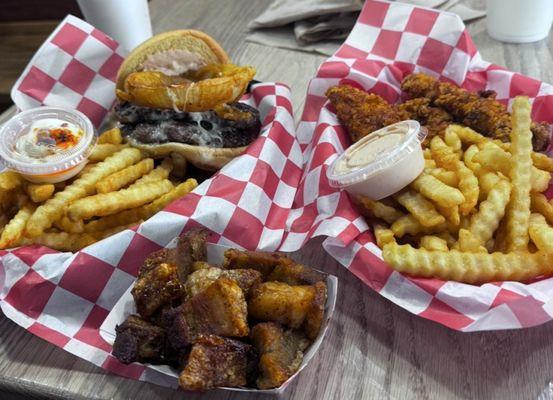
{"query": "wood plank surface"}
(373, 349)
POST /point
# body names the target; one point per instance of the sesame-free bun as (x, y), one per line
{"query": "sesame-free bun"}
(185, 39)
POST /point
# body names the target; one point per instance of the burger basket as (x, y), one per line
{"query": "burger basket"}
(388, 42)
(65, 298)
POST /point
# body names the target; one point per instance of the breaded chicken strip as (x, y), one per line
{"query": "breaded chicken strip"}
(361, 112)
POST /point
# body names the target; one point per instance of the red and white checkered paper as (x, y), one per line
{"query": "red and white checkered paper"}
(389, 41)
(64, 298)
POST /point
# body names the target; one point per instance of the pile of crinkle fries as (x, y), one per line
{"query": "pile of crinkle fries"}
(120, 187)
(477, 213)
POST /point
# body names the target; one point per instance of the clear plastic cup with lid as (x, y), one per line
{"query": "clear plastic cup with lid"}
(381, 163)
(56, 167)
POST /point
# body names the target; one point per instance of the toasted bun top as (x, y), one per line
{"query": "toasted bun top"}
(186, 39)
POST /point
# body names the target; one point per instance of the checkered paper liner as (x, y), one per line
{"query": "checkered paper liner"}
(389, 41)
(65, 297)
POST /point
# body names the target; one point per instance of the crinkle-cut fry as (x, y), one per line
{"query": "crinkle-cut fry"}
(379, 210)
(467, 135)
(429, 164)
(40, 192)
(468, 185)
(55, 207)
(427, 154)
(66, 225)
(409, 225)
(485, 222)
(518, 209)
(103, 151)
(383, 235)
(467, 242)
(494, 157)
(100, 235)
(487, 179)
(10, 180)
(127, 217)
(103, 204)
(159, 173)
(14, 230)
(420, 207)
(540, 160)
(540, 205)
(450, 178)
(541, 233)
(436, 190)
(472, 268)
(122, 178)
(85, 169)
(62, 241)
(443, 154)
(111, 136)
(468, 158)
(434, 243)
(451, 214)
(453, 141)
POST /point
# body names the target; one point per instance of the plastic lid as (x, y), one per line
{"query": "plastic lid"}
(20, 124)
(412, 137)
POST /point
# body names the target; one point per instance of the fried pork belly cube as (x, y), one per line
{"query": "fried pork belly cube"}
(156, 287)
(263, 262)
(191, 247)
(215, 361)
(199, 280)
(296, 274)
(220, 309)
(156, 258)
(197, 265)
(292, 306)
(138, 340)
(280, 353)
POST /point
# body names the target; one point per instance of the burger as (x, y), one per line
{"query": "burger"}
(178, 95)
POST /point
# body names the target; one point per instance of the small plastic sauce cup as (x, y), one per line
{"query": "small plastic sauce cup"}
(381, 163)
(58, 168)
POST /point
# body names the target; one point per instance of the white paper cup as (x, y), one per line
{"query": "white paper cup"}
(519, 21)
(127, 21)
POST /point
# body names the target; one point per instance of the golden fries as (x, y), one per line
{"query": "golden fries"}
(103, 151)
(113, 202)
(421, 208)
(468, 185)
(13, 231)
(40, 192)
(62, 241)
(541, 233)
(436, 190)
(379, 210)
(54, 208)
(158, 174)
(450, 178)
(430, 242)
(442, 154)
(383, 235)
(122, 178)
(518, 209)
(468, 267)
(540, 205)
(468, 158)
(111, 136)
(10, 180)
(468, 243)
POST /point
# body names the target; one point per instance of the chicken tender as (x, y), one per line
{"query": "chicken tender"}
(263, 262)
(280, 353)
(293, 306)
(216, 361)
(137, 340)
(434, 119)
(361, 112)
(200, 280)
(220, 309)
(157, 286)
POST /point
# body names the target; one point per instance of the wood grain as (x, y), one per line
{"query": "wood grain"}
(373, 349)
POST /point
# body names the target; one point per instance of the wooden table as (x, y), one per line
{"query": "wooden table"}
(373, 349)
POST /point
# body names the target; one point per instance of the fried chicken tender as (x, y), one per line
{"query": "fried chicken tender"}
(479, 111)
(361, 112)
(293, 306)
(138, 340)
(216, 361)
(435, 119)
(280, 353)
(220, 309)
